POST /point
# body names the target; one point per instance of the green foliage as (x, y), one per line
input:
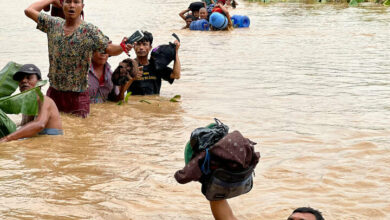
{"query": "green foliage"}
(7, 126)
(7, 84)
(175, 98)
(25, 102)
(127, 97)
(386, 3)
(125, 100)
(355, 2)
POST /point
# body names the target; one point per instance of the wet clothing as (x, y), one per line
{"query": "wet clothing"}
(70, 56)
(150, 82)
(76, 103)
(233, 153)
(51, 131)
(99, 89)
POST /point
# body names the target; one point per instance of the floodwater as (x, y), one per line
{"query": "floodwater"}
(308, 82)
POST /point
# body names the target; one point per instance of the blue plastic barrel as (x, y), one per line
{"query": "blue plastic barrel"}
(200, 25)
(218, 20)
(241, 21)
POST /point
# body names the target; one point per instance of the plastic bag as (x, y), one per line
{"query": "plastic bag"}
(163, 55)
(202, 138)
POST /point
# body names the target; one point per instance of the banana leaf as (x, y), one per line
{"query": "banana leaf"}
(7, 84)
(25, 102)
(7, 126)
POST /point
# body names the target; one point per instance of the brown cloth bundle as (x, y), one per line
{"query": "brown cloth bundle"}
(233, 152)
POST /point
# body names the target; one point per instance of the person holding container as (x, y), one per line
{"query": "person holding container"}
(71, 42)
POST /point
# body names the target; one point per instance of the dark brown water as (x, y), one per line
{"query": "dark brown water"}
(308, 82)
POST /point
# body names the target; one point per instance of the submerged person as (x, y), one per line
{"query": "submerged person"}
(189, 19)
(222, 211)
(185, 15)
(71, 44)
(220, 8)
(101, 87)
(48, 120)
(150, 81)
(203, 14)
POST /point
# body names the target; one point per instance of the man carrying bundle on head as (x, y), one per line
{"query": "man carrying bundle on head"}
(71, 44)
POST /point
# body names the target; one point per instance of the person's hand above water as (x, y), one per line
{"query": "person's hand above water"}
(139, 73)
(126, 47)
(57, 3)
(177, 43)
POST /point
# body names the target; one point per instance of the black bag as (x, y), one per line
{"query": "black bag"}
(223, 184)
(202, 138)
(163, 55)
(196, 6)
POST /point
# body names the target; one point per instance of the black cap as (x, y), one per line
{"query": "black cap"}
(28, 69)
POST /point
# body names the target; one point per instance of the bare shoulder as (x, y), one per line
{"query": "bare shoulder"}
(48, 102)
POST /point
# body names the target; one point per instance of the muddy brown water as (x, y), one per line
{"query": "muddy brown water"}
(308, 82)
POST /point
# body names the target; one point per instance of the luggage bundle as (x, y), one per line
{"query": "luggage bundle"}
(223, 162)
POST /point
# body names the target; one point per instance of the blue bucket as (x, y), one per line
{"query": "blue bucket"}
(241, 21)
(199, 25)
(218, 20)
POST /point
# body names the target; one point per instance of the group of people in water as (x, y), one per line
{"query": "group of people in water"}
(204, 9)
(79, 73)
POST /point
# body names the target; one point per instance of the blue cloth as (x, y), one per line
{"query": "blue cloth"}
(51, 131)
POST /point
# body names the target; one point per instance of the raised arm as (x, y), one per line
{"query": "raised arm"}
(33, 10)
(34, 127)
(182, 14)
(117, 49)
(176, 65)
(221, 210)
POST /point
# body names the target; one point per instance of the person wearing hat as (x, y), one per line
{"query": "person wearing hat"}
(150, 81)
(48, 120)
(71, 43)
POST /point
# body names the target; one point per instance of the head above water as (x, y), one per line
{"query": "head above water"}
(189, 19)
(143, 46)
(27, 76)
(203, 13)
(305, 213)
(195, 14)
(73, 9)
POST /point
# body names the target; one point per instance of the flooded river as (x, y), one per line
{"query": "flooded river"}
(308, 82)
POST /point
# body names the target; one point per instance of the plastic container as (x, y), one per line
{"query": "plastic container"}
(200, 25)
(241, 21)
(218, 20)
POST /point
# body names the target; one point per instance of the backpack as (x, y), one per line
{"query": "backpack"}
(163, 55)
(223, 184)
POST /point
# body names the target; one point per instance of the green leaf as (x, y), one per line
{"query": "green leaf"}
(353, 3)
(7, 126)
(25, 102)
(127, 97)
(177, 97)
(174, 99)
(120, 102)
(7, 84)
(146, 101)
(386, 3)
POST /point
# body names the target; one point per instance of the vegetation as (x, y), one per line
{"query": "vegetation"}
(23, 103)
